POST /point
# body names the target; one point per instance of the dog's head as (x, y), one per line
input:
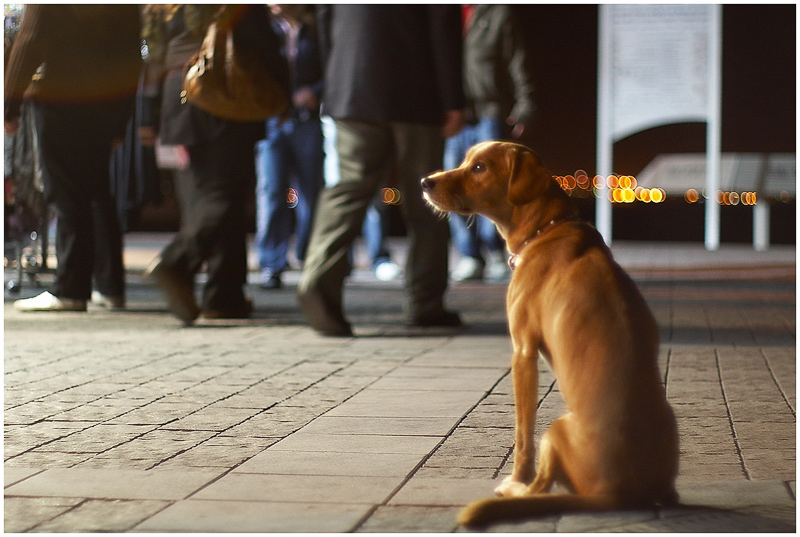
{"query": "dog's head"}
(494, 178)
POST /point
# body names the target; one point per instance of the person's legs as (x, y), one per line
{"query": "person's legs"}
(174, 269)
(306, 142)
(374, 233)
(355, 160)
(419, 150)
(462, 229)
(464, 236)
(216, 234)
(229, 172)
(79, 189)
(488, 128)
(109, 270)
(273, 219)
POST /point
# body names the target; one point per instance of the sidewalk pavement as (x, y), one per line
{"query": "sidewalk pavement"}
(127, 421)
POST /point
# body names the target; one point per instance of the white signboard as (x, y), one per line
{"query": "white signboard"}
(660, 63)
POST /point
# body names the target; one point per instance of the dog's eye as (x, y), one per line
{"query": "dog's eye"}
(479, 167)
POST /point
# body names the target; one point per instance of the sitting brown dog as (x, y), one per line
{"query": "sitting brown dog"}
(617, 446)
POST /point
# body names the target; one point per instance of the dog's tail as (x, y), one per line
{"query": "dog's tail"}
(484, 512)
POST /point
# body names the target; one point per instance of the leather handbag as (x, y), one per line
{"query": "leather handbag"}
(230, 83)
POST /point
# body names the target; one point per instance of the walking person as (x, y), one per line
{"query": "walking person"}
(290, 157)
(85, 62)
(374, 232)
(221, 163)
(392, 94)
(499, 92)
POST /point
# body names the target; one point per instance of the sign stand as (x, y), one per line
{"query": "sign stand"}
(605, 142)
(713, 127)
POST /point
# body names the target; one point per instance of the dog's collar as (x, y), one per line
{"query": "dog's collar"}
(512, 258)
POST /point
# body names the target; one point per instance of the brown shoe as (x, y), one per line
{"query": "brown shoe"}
(177, 291)
(241, 312)
(321, 315)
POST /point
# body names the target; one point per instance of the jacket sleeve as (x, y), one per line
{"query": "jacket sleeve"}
(27, 54)
(324, 16)
(515, 56)
(445, 34)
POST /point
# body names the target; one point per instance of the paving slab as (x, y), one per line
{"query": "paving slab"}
(365, 443)
(196, 516)
(411, 519)
(112, 484)
(107, 516)
(15, 475)
(380, 426)
(408, 403)
(300, 488)
(442, 492)
(24, 514)
(327, 463)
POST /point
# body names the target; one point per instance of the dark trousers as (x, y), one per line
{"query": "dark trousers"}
(75, 142)
(213, 229)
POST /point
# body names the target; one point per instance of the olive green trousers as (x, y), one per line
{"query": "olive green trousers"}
(359, 157)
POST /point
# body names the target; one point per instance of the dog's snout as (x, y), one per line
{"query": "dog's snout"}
(427, 184)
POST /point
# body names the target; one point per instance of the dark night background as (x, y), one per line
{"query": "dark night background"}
(758, 115)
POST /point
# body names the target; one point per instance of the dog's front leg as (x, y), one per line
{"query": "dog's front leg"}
(525, 377)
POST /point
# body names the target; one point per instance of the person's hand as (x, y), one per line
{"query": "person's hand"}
(305, 98)
(453, 122)
(517, 127)
(183, 157)
(11, 126)
(147, 136)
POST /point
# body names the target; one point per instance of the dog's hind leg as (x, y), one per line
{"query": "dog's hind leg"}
(525, 376)
(550, 469)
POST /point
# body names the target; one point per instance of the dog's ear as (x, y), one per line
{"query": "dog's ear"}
(527, 177)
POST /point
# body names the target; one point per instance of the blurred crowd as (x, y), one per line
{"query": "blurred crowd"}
(378, 96)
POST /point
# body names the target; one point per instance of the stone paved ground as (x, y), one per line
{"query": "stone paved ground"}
(129, 422)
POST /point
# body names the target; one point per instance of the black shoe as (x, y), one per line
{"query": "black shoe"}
(438, 319)
(177, 290)
(320, 315)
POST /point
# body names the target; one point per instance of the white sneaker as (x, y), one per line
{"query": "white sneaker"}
(387, 271)
(468, 268)
(497, 268)
(49, 302)
(108, 301)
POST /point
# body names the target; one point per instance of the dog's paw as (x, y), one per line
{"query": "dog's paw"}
(510, 488)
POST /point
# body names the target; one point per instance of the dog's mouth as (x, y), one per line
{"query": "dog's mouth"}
(454, 204)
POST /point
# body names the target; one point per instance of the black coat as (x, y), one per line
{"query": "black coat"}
(391, 63)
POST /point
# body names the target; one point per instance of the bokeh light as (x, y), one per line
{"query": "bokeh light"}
(391, 196)
(292, 198)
